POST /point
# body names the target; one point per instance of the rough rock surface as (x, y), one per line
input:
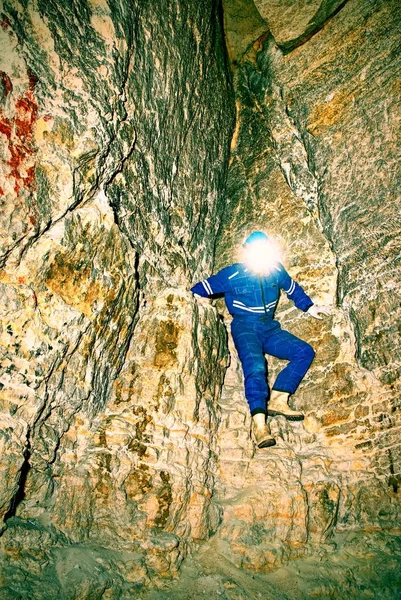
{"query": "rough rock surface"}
(115, 126)
(124, 437)
(292, 23)
(242, 25)
(300, 162)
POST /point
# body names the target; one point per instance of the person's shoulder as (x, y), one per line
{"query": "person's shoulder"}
(230, 270)
(278, 273)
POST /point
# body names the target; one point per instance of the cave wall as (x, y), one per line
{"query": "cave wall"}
(124, 432)
(313, 163)
(115, 124)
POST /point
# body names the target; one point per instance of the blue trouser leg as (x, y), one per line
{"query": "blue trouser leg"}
(284, 345)
(252, 340)
(249, 345)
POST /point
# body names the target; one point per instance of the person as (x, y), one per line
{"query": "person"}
(251, 291)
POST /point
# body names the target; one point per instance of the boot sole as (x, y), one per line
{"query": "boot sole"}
(275, 413)
(266, 443)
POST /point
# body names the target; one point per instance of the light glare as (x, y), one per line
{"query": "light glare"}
(261, 256)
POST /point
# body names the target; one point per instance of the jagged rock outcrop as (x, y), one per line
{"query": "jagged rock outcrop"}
(115, 127)
(124, 433)
(292, 23)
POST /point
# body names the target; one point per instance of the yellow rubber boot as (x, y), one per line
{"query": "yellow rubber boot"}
(278, 405)
(261, 432)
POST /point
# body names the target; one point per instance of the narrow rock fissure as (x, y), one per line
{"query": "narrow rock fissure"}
(20, 493)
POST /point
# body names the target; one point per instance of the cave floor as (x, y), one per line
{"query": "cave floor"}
(355, 566)
(352, 566)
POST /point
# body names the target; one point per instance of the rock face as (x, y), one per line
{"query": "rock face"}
(312, 144)
(124, 433)
(115, 127)
(292, 23)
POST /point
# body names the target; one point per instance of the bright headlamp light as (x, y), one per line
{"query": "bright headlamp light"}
(260, 254)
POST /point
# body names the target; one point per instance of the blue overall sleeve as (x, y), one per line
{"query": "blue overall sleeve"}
(294, 291)
(216, 284)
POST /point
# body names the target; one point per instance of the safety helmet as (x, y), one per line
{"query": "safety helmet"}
(255, 236)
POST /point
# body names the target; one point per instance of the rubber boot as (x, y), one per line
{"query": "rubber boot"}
(278, 405)
(261, 433)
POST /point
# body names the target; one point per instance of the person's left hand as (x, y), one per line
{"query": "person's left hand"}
(315, 311)
(202, 300)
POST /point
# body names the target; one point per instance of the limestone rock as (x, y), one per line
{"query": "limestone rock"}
(295, 182)
(124, 432)
(114, 130)
(242, 25)
(292, 23)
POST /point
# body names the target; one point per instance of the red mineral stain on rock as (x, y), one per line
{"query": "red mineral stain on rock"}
(7, 85)
(33, 80)
(30, 177)
(19, 132)
(5, 23)
(5, 126)
(26, 115)
(1, 191)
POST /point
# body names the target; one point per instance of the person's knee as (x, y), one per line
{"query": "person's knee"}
(256, 372)
(309, 352)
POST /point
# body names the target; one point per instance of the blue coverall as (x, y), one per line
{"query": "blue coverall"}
(252, 299)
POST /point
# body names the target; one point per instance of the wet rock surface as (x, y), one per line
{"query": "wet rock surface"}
(127, 466)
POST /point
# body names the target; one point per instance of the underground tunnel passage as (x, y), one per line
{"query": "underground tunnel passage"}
(141, 142)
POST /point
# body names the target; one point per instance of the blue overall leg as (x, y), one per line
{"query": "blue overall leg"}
(284, 345)
(249, 345)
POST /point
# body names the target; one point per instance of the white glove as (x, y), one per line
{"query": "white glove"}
(314, 311)
(202, 300)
